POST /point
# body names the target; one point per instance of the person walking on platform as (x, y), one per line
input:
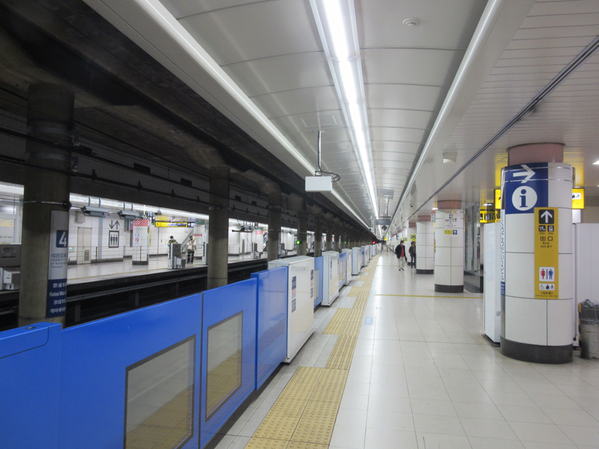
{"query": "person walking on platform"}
(191, 247)
(412, 252)
(400, 252)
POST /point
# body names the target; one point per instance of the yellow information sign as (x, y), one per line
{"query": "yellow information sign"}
(546, 253)
(168, 224)
(497, 199)
(577, 198)
(488, 216)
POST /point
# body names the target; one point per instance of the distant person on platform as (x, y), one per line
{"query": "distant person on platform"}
(412, 252)
(191, 247)
(171, 241)
(400, 252)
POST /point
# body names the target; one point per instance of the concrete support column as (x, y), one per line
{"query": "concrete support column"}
(449, 256)
(275, 200)
(329, 241)
(425, 246)
(218, 246)
(317, 236)
(44, 255)
(337, 240)
(302, 232)
(537, 298)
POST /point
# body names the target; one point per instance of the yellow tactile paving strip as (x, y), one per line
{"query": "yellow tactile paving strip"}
(304, 414)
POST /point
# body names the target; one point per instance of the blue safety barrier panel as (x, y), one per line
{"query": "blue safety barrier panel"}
(30, 379)
(228, 353)
(342, 270)
(108, 382)
(271, 329)
(110, 365)
(318, 269)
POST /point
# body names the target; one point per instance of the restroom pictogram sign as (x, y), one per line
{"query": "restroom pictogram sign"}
(546, 253)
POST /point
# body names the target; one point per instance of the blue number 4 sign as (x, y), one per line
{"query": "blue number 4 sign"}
(62, 239)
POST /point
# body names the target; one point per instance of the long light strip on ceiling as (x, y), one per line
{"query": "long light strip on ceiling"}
(338, 35)
(126, 17)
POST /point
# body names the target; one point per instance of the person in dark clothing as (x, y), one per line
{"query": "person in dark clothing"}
(412, 252)
(400, 252)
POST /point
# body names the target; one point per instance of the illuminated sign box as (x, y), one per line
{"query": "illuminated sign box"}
(168, 224)
(577, 198)
(319, 184)
(497, 199)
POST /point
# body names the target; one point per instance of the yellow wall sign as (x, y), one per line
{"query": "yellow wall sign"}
(488, 216)
(497, 199)
(546, 253)
(168, 224)
(412, 237)
(577, 198)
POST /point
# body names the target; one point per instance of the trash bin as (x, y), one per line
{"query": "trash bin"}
(588, 318)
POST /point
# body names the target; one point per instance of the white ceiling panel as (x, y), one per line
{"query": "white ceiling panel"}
(395, 147)
(254, 31)
(272, 51)
(563, 8)
(420, 98)
(299, 101)
(535, 44)
(542, 52)
(554, 32)
(310, 122)
(400, 117)
(561, 20)
(557, 61)
(397, 134)
(182, 8)
(380, 23)
(280, 73)
(429, 67)
(391, 157)
(309, 139)
(569, 114)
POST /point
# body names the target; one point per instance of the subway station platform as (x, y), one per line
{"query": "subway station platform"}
(392, 364)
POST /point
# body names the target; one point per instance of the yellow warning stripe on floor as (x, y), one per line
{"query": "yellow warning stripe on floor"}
(304, 414)
(430, 296)
(343, 352)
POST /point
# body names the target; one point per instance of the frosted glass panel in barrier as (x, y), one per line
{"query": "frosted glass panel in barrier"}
(224, 361)
(159, 401)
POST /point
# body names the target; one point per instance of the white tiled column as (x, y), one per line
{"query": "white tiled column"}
(449, 251)
(425, 247)
(535, 329)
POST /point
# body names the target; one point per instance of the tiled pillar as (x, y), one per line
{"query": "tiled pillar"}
(537, 304)
(425, 246)
(449, 252)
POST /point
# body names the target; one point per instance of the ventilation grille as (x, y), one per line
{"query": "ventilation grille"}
(319, 121)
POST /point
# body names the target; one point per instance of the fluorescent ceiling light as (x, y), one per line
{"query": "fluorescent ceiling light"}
(339, 39)
(334, 20)
(596, 163)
